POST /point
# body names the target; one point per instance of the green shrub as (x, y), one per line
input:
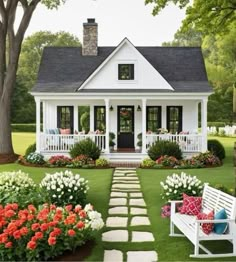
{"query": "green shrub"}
(86, 147)
(164, 147)
(147, 162)
(168, 161)
(112, 136)
(102, 162)
(223, 189)
(140, 140)
(30, 149)
(35, 158)
(217, 124)
(216, 148)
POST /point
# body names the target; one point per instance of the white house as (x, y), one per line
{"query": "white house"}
(129, 90)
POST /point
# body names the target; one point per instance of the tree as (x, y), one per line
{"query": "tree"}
(10, 43)
(207, 16)
(30, 57)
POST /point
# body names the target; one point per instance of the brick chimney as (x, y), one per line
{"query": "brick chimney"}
(90, 38)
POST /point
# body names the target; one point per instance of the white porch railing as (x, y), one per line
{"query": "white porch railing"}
(63, 143)
(187, 143)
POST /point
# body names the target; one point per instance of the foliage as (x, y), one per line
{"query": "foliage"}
(84, 122)
(102, 162)
(80, 161)
(216, 124)
(112, 136)
(59, 161)
(18, 186)
(207, 16)
(175, 185)
(190, 163)
(63, 188)
(35, 158)
(140, 140)
(216, 148)
(223, 188)
(168, 161)
(164, 147)
(207, 159)
(30, 149)
(23, 128)
(147, 162)
(42, 233)
(86, 147)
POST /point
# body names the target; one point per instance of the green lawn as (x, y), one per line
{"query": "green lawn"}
(169, 249)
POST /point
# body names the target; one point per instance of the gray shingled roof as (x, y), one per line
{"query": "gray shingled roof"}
(64, 69)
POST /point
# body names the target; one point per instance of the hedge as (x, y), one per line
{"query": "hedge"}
(23, 128)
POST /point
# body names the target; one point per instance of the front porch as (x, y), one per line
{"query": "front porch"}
(128, 119)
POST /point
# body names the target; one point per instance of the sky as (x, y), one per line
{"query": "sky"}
(116, 20)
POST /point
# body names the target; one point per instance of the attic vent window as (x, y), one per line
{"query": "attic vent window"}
(126, 71)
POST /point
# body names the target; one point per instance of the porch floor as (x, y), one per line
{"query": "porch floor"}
(126, 150)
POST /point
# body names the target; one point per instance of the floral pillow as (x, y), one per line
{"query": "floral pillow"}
(207, 228)
(191, 205)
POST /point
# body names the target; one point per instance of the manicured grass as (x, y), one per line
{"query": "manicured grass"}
(179, 249)
(21, 141)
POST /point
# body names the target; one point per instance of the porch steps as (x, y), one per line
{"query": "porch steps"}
(124, 164)
(127, 159)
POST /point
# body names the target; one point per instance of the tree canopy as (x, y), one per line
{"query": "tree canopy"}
(207, 16)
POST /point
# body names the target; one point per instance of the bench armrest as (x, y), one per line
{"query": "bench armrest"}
(173, 206)
(215, 221)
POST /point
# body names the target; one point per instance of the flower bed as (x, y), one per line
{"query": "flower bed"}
(37, 234)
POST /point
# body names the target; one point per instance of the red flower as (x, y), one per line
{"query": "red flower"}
(77, 208)
(31, 208)
(57, 231)
(71, 232)
(80, 224)
(3, 238)
(68, 208)
(9, 213)
(53, 207)
(17, 234)
(44, 227)
(8, 245)
(38, 235)
(24, 231)
(35, 226)
(52, 241)
(31, 245)
(30, 217)
(14, 206)
(34, 238)
(82, 214)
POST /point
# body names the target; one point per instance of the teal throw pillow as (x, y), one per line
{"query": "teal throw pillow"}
(220, 228)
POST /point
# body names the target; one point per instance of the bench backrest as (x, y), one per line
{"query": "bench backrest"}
(215, 199)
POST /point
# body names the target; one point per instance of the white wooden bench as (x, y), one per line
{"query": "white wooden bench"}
(212, 199)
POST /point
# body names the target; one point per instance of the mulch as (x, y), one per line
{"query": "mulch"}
(8, 158)
(79, 254)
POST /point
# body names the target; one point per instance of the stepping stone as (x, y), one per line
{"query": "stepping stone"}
(126, 190)
(117, 222)
(136, 195)
(144, 256)
(118, 194)
(137, 202)
(126, 178)
(131, 175)
(140, 221)
(138, 211)
(118, 174)
(125, 182)
(118, 202)
(125, 186)
(139, 236)
(115, 236)
(118, 210)
(113, 256)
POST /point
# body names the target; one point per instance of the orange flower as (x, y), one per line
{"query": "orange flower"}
(57, 231)
(68, 208)
(35, 226)
(2, 223)
(71, 232)
(24, 231)
(9, 213)
(57, 217)
(77, 208)
(38, 235)
(82, 214)
(52, 241)
(53, 223)
(17, 234)
(71, 219)
(31, 245)
(44, 227)
(3, 238)
(31, 208)
(11, 228)
(8, 245)
(80, 224)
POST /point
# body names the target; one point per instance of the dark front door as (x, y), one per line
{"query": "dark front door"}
(125, 127)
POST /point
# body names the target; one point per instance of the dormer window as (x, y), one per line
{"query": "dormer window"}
(126, 71)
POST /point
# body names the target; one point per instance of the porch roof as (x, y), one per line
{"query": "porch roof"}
(64, 69)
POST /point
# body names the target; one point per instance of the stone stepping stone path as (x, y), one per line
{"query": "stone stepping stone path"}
(127, 211)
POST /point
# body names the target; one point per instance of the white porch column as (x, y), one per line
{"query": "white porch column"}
(37, 100)
(91, 118)
(44, 117)
(76, 117)
(204, 123)
(144, 142)
(107, 149)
